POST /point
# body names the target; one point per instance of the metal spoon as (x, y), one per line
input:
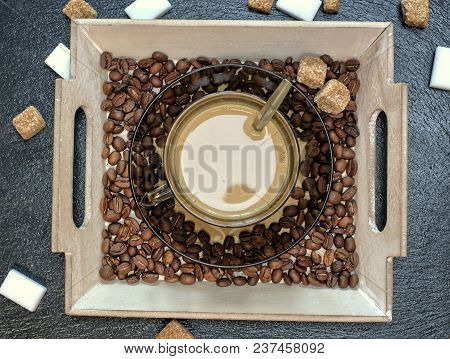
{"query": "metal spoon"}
(272, 104)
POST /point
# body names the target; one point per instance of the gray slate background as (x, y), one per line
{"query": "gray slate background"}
(29, 30)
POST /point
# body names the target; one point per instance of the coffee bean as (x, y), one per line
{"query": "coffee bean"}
(223, 282)
(316, 257)
(165, 224)
(341, 254)
(322, 275)
(105, 60)
(294, 275)
(111, 174)
(115, 76)
(149, 277)
(304, 261)
(140, 262)
(352, 65)
(124, 268)
(317, 237)
(106, 105)
(122, 182)
(286, 279)
(347, 153)
(339, 241)
(239, 281)
(159, 268)
(168, 257)
(352, 130)
(265, 275)
(169, 273)
(354, 258)
(118, 99)
(345, 222)
(187, 279)
(314, 281)
(105, 246)
(117, 115)
(198, 271)
(107, 273)
(169, 65)
(111, 216)
(327, 59)
(345, 78)
(297, 193)
(328, 257)
(204, 237)
(290, 211)
(156, 68)
(349, 193)
(145, 63)
(350, 244)
(337, 266)
(178, 235)
(159, 56)
(250, 271)
(187, 268)
(176, 264)
(335, 197)
(287, 222)
(348, 181)
(343, 282)
(277, 275)
(157, 253)
(339, 210)
(351, 207)
(340, 165)
(183, 65)
(352, 168)
(117, 204)
(133, 279)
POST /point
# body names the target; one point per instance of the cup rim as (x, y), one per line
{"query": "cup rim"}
(156, 231)
(259, 216)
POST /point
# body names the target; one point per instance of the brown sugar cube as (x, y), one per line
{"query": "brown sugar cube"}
(29, 122)
(416, 12)
(261, 5)
(79, 9)
(333, 97)
(174, 330)
(331, 6)
(312, 72)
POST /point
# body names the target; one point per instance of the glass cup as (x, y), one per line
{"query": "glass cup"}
(235, 205)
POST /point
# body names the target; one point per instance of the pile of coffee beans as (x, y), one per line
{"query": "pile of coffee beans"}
(327, 256)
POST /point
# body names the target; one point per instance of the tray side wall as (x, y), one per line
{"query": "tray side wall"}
(81, 245)
(377, 248)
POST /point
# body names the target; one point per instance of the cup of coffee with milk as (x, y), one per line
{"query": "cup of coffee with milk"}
(231, 159)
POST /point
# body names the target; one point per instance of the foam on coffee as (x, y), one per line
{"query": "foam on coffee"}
(226, 170)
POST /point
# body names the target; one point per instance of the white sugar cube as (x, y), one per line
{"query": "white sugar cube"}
(148, 9)
(440, 77)
(300, 9)
(22, 290)
(59, 61)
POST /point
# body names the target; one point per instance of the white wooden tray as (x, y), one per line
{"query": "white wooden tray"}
(371, 43)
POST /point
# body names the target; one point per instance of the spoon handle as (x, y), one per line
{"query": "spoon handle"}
(272, 104)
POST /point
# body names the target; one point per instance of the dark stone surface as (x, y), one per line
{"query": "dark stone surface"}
(29, 30)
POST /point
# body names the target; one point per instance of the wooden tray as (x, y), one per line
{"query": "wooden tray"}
(372, 43)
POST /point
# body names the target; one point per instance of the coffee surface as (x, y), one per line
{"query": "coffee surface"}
(225, 169)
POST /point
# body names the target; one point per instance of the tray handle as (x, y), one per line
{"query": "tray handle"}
(67, 102)
(394, 103)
